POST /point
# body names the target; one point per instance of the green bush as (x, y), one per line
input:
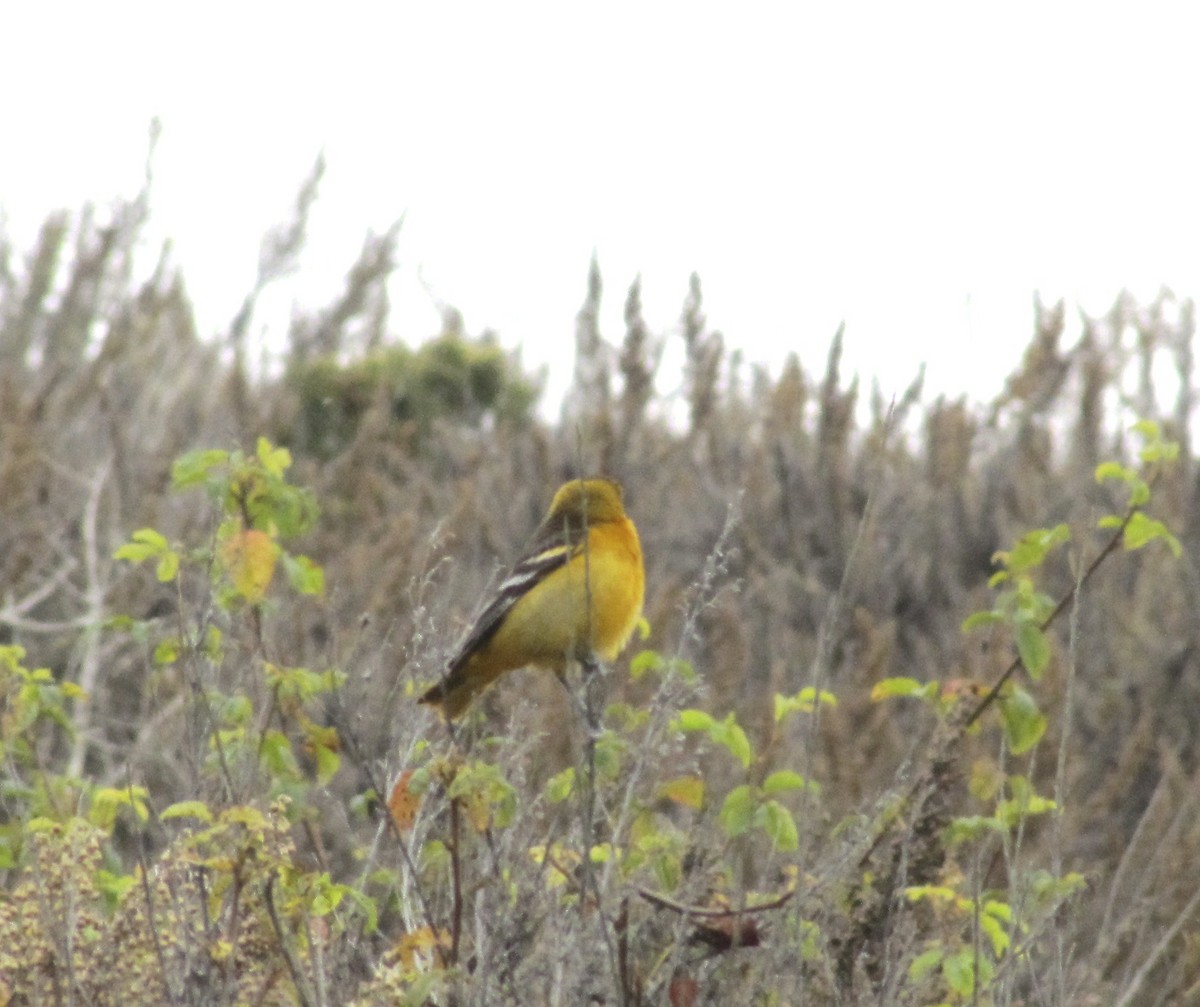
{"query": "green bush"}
(449, 378)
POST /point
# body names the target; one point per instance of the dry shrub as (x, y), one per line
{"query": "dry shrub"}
(794, 536)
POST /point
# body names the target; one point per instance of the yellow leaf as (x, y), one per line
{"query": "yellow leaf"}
(421, 941)
(478, 809)
(220, 950)
(249, 559)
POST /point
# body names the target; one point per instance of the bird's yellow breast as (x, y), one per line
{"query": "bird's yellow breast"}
(591, 604)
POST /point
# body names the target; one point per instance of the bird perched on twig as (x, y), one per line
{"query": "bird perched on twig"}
(576, 593)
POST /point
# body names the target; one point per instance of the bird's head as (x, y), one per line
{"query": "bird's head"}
(587, 501)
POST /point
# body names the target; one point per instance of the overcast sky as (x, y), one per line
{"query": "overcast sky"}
(916, 170)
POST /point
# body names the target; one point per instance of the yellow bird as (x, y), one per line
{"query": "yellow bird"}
(577, 592)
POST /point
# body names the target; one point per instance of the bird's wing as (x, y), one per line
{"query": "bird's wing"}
(549, 552)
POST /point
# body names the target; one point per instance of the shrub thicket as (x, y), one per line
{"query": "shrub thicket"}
(218, 787)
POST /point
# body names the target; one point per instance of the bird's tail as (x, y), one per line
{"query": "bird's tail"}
(453, 694)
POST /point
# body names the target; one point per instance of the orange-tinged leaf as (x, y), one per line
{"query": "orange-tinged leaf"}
(683, 991)
(403, 803)
(249, 559)
(685, 790)
(421, 941)
(962, 688)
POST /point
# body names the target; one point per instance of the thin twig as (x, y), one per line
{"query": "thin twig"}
(1061, 783)
(1066, 600)
(456, 878)
(285, 947)
(13, 612)
(151, 915)
(1133, 990)
(94, 592)
(708, 912)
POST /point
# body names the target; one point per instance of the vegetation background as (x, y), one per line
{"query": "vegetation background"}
(800, 533)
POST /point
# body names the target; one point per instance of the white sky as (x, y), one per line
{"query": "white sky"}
(916, 170)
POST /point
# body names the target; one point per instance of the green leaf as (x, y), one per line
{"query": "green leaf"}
(1142, 530)
(187, 809)
(366, 906)
(684, 669)
(168, 567)
(1039, 805)
(327, 896)
(362, 805)
(1156, 448)
(1032, 547)
(192, 468)
(277, 754)
(823, 696)
(898, 686)
(275, 460)
(958, 970)
(730, 734)
(144, 544)
(114, 886)
(1112, 470)
(1046, 886)
(971, 827)
(978, 619)
(211, 647)
(610, 753)
(925, 963)
(903, 686)
(233, 710)
(435, 854)
(783, 780)
(1166, 452)
(737, 810)
(324, 902)
(167, 651)
(783, 706)
(106, 802)
(998, 910)
(996, 932)
(690, 721)
(560, 785)
(779, 825)
(1024, 724)
(305, 575)
(151, 537)
(934, 893)
(328, 762)
(1034, 648)
(1029, 604)
(644, 661)
(804, 701)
